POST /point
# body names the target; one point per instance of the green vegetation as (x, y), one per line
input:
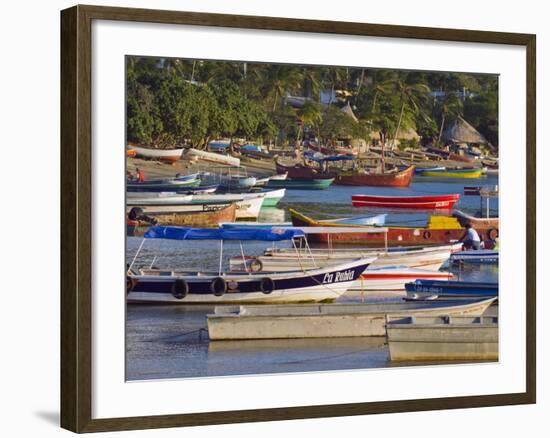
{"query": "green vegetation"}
(174, 101)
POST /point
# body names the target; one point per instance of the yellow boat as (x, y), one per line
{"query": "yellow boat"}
(453, 173)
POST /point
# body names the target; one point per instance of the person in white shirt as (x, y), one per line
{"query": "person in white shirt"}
(470, 238)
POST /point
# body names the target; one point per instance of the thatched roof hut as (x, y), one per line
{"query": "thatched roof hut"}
(402, 134)
(462, 132)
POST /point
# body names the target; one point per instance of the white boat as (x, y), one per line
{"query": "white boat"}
(279, 176)
(158, 154)
(294, 321)
(156, 198)
(483, 256)
(248, 204)
(212, 157)
(173, 286)
(281, 259)
(393, 278)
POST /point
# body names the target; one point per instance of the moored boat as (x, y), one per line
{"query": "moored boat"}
(173, 286)
(453, 173)
(480, 256)
(248, 204)
(401, 178)
(300, 184)
(302, 171)
(440, 338)
(431, 202)
(476, 222)
(325, 320)
(394, 278)
(162, 185)
(212, 157)
(272, 197)
(440, 230)
(191, 215)
(450, 289)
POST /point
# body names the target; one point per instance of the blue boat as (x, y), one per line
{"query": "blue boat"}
(450, 289)
(419, 170)
(482, 256)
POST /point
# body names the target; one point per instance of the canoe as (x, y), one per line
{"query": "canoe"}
(442, 338)
(212, 157)
(286, 259)
(192, 215)
(477, 222)
(324, 284)
(450, 289)
(396, 179)
(301, 171)
(453, 173)
(440, 230)
(300, 184)
(170, 155)
(412, 202)
(325, 320)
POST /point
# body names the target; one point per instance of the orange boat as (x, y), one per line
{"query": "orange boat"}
(440, 230)
(387, 179)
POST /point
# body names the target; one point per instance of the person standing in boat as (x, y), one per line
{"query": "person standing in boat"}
(470, 238)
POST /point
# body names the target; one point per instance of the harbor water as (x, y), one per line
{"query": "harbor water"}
(171, 341)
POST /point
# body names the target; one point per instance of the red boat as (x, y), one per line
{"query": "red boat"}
(386, 179)
(440, 230)
(301, 171)
(413, 202)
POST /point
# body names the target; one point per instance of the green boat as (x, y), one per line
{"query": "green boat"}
(300, 184)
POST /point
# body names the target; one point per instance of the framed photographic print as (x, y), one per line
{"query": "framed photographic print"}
(268, 218)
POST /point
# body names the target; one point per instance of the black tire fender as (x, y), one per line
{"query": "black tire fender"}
(427, 234)
(218, 286)
(256, 265)
(267, 285)
(180, 289)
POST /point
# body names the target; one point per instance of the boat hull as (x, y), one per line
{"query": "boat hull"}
(302, 172)
(451, 289)
(453, 173)
(300, 184)
(323, 321)
(408, 202)
(314, 286)
(397, 179)
(170, 155)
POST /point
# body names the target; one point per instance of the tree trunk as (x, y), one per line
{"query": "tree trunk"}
(374, 101)
(441, 129)
(382, 144)
(398, 123)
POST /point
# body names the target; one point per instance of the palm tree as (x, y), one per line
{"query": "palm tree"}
(277, 80)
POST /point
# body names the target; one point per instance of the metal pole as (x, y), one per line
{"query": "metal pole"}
(137, 253)
(221, 257)
(242, 255)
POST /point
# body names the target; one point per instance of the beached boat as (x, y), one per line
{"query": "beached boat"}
(211, 157)
(480, 256)
(453, 173)
(236, 182)
(401, 178)
(173, 286)
(419, 170)
(158, 154)
(157, 198)
(431, 202)
(421, 289)
(438, 338)
(324, 321)
(477, 222)
(162, 185)
(300, 184)
(272, 197)
(302, 171)
(191, 215)
(440, 229)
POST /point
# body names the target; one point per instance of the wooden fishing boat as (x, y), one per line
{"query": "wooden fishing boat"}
(170, 155)
(462, 158)
(173, 286)
(326, 320)
(161, 185)
(394, 278)
(411, 202)
(191, 215)
(248, 204)
(421, 289)
(453, 173)
(441, 338)
(272, 197)
(300, 184)
(211, 157)
(401, 178)
(440, 229)
(302, 172)
(419, 170)
(478, 222)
